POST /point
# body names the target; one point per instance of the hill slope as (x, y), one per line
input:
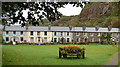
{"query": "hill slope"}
(92, 14)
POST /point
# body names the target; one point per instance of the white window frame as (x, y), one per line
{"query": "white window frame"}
(45, 32)
(54, 33)
(78, 40)
(13, 32)
(21, 40)
(39, 39)
(61, 33)
(6, 32)
(98, 34)
(92, 39)
(68, 33)
(77, 34)
(38, 33)
(6, 39)
(54, 39)
(20, 32)
(69, 39)
(31, 39)
(32, 34)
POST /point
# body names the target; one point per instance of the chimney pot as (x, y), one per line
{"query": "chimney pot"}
(27, 25)
(97, 27)
(70, 26)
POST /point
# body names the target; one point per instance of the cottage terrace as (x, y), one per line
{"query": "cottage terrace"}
(48, 34)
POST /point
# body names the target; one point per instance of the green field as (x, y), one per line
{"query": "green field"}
(48, 55)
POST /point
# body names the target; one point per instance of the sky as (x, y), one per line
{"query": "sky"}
(70, 10)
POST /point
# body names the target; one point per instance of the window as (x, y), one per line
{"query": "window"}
(105, 34)
(85, 34)
(7, 38)
(68, 39)
(91, 34)
(7, 32)
(38, 39)
(55, 33)
(92, 39)
(77, 39)
(14, 32)
(21, 38)
(31, 33)
(21, 32)
(98, 34)
(61, 33)
(38, 33)
(117, 34)
(110, 34)
(45, 39)
(55, 39)
(32, 39)
(118, 39)
(67, 33)
(45, 33)
(77, 33)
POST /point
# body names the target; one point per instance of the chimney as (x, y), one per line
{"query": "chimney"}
(84, 27)
(109, 27)
(70, 26)
(27, 25)
(49, 26)
(97, 27)
(4, 28)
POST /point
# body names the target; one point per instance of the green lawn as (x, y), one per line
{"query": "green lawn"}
(48, 55)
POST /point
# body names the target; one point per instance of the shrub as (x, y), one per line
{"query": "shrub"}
(72, 49)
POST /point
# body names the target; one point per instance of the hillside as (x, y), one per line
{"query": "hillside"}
(92, 14)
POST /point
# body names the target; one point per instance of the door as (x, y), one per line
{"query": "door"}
(14, 39)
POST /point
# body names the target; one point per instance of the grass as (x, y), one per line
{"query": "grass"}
(0, 55)
(48, 55)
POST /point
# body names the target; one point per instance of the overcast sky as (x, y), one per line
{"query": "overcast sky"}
(70, 10)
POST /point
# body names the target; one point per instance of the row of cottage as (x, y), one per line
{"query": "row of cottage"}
(47, 34)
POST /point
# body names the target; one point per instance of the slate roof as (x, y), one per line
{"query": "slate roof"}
(55, 28)
(15, 28)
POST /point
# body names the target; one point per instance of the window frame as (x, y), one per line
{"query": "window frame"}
(31, 32)
(68, 33)
(7, 39)
(55, 33)
(45, 33)
(14, 32)
(21, 39)
(38, 39)
(77, 33)
(61, 33)
(68, 39)
(21, 33)
(7, 32)
(38, 32)
(55, 39)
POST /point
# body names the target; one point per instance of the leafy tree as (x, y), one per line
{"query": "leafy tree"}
(106, 39)
(42, 10)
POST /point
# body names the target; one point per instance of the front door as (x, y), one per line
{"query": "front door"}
(85, 40)
(14, 40)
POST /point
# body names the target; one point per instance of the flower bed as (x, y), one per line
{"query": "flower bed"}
(72, 50)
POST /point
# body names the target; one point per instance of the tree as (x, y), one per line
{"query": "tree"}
(42, 10)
